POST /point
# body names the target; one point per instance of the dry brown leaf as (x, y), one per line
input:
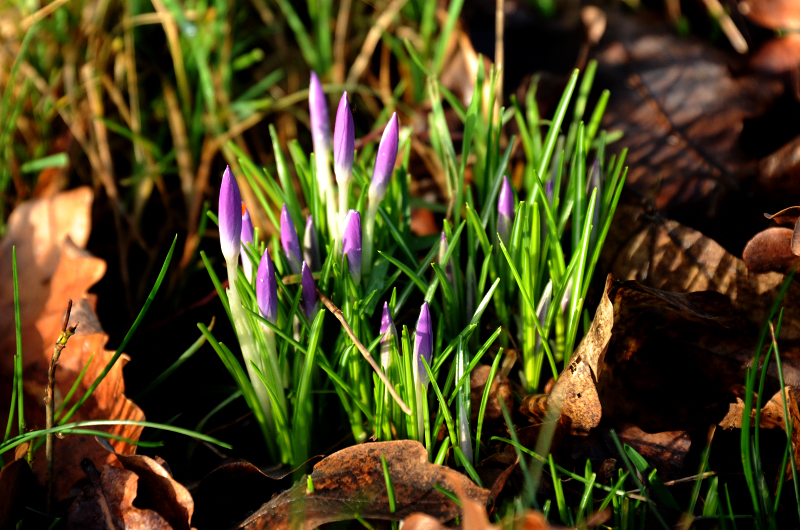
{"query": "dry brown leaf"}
(666, 451)
(156, 489)
(682, 112)
(115, 490)
(49, 235)
(351, 482)
(15, 482)
(574, 393)
(772, 14)
(666, 255)
(771, 250)
(772, 417)
(778, 55)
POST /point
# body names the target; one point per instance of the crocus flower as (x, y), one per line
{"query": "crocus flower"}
(505, 211)
(387, 332)
(289, 241)
(267, 289)
(423, 342)
(318, 111)
(230, 219)
(351, 243)
(387, 325)
(385, 160)
(548, 191)
(344, 141)
(247, 237)
(310, 247)
(448, 267)
(309, 292)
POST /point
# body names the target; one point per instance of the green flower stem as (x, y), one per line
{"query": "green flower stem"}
(325, 184)
(246, 341)
(367, 240)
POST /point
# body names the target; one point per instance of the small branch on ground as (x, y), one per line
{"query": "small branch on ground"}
(340, 317)
(61, 342)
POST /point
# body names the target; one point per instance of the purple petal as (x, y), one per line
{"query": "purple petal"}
(351, 243)
(318, 111)
(387, 326)
(309, 293)
(423, 341)
(267, 289)
(344, 142)
(310, 246)
(289, 241)
(505, 210)
(230, 218)
(385, 160)
(247, 237)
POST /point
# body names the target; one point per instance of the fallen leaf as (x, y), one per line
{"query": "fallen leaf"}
(682, 112)
(351, 482)
(49, 235)
(668, 256)
(772, 417)
(111, 494)
(231, 492)
(156, 489)
(771, 250)
(779, 55)
(772, 14)
(574, 394)
(666, 451)
(15, 482)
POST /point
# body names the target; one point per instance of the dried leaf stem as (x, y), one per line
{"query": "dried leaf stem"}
(61, 342)
(340, 317)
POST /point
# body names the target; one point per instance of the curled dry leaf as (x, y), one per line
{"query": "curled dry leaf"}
(574, 395)
(779, 55)
(772, 14)
(771, 250)
(666, 255)
(49, 235)
(666, 451)
(351, 482)
(682, 112)
(111, 494)
(232, 491)
(772, 416)
(156, 489)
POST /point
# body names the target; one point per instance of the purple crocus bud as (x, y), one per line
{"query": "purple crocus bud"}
(423, 342)
(448, 267)
(247, 237)
(505, 211)
(351, 243)
(267, 289)
(309, 292)
(230, 219)
(387, 326)
(289, 241)
(344, 142)
(310, 246)
(384, 162)
(387, 332)
(318, 111)
(548, 191)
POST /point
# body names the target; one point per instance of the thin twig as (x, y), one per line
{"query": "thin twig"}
(340, 317)
(61, 342)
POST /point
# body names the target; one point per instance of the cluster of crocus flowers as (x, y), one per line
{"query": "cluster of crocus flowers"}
(343, 157)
